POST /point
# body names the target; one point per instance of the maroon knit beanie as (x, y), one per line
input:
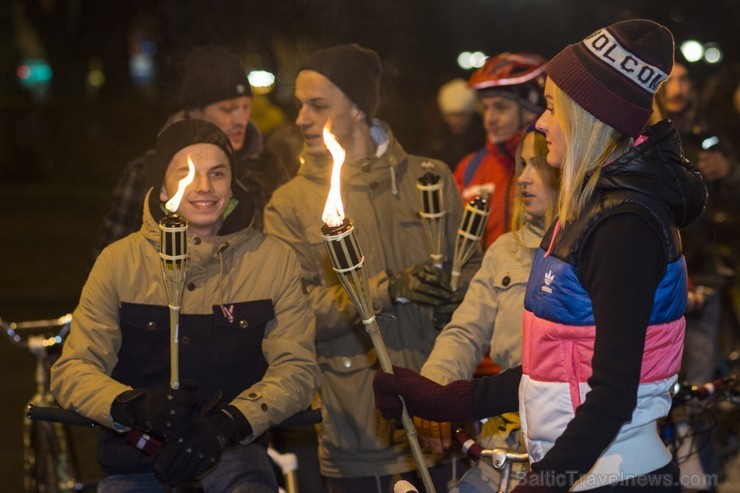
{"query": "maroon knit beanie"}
(354, 70)
(614, 73)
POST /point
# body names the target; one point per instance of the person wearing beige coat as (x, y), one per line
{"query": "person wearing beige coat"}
(246, 334)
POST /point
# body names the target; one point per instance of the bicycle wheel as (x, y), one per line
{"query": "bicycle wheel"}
(41, 472)
(49, 466)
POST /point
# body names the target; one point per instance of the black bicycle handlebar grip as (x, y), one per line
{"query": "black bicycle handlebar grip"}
(58, 415)
(468, 445)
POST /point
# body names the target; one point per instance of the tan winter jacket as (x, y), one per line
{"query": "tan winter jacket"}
(232, 269)
(381, 199)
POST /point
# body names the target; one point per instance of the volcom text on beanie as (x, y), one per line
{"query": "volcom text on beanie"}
(614, 73)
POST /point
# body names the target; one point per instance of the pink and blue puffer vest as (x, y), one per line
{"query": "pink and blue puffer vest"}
(558, 344)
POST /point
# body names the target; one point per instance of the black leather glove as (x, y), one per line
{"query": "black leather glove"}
(162, 412)
(420, 283)
(443, 312)
(192, 455)
(424, 398)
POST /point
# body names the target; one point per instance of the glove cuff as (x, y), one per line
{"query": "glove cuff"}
(455, 403)
(242, 429)
(124, 407)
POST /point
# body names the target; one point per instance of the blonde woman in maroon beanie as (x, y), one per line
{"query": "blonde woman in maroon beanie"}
(603, 321)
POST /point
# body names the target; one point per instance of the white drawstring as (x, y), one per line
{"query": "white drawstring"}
(394, 188)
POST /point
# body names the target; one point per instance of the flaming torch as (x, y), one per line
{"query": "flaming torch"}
(348, 262)
(173, 255)
(468, 236)
(432, 215)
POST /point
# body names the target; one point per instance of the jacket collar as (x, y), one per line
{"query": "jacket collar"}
(236, 228)
(505, 152)
(389, 156)
(656, 167)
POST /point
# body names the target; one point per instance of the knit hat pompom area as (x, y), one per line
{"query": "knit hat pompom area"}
(614, 72)
(354, 70)
(211, 74)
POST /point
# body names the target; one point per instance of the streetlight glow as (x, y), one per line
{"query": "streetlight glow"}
(692, 50)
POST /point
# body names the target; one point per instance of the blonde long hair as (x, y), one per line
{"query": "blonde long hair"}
(590, 143)
(550, 177)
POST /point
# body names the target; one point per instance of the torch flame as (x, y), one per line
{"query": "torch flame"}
(334, 210)
(174, 202)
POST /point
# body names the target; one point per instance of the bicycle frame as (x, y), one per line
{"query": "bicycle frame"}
(49, 463)
(681, 436)
(501, 459)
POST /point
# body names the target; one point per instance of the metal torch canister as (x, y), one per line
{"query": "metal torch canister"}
(432, 214)
(173, 256)
(469, 233)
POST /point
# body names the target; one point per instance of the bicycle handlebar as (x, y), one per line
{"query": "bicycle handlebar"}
(469, 446)
(34, 334)
(500, 457)
(59, 415)
(685, 391)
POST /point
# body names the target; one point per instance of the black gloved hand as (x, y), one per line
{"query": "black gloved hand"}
(420, 283)
(443, 312)
(424, 398)
(190, 456)
(162, 412)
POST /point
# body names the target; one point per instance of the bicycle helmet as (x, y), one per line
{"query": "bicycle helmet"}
(518, 76)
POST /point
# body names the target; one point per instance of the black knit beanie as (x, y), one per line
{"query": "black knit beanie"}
(614, 73)
(183, 134)
(354, 70)
(212, 74)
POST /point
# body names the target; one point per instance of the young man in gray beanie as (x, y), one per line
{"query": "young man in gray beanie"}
(246, 335)
(339, 88)
(213, 87)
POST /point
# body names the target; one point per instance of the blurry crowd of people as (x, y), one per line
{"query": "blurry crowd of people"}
(608, 209)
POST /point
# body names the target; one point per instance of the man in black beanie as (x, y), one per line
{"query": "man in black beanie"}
(338, 88)
(246, 334)
(213, 87)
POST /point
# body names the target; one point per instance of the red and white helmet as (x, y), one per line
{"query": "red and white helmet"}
(519, 76)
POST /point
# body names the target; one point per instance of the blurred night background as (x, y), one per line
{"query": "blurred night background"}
(86, 84)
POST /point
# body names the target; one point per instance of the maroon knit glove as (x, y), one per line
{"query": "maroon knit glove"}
(424, 398)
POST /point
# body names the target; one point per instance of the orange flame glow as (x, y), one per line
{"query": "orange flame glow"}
(334, 210)
(174, 202)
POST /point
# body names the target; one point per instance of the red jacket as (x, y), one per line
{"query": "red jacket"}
(493, 175)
